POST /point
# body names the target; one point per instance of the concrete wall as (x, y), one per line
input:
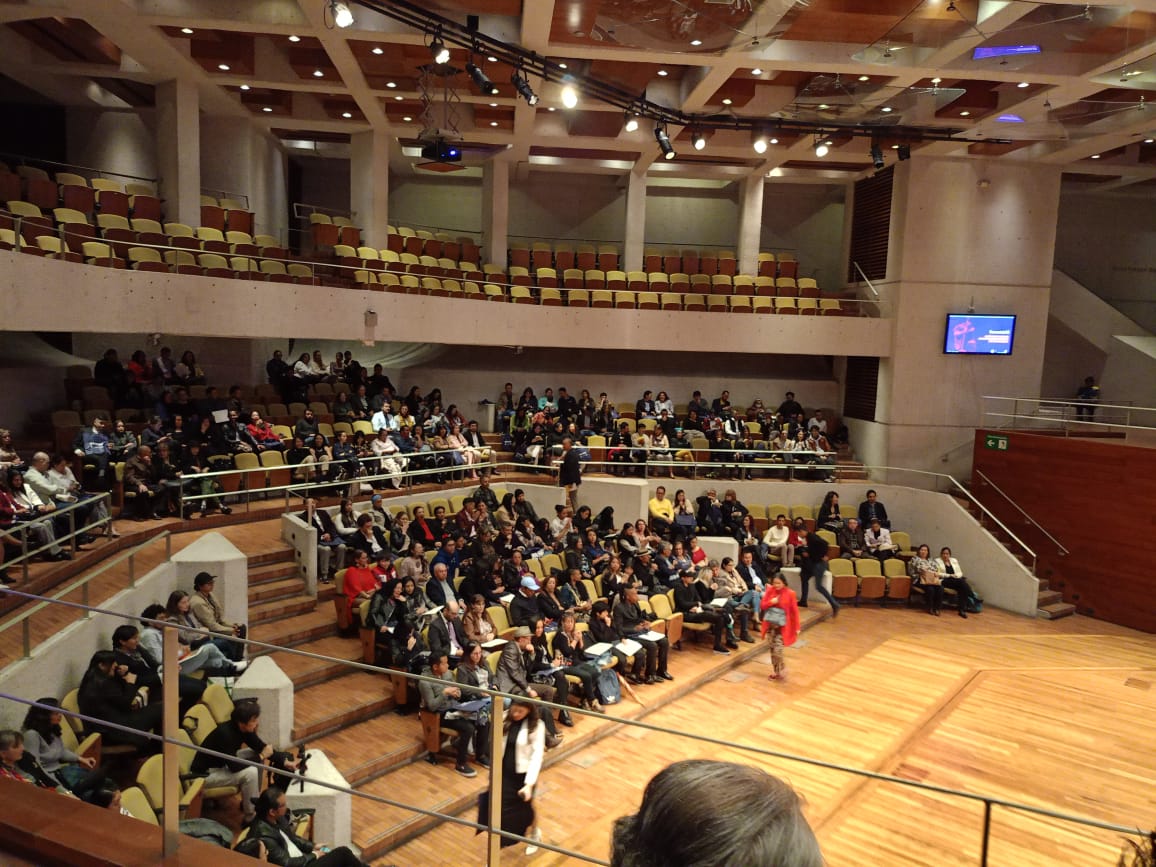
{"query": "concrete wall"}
(114, 141)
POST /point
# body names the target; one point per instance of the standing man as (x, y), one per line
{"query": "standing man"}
(570, 475)
(816, 567)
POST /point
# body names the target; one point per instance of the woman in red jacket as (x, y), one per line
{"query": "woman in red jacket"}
(780, 621)
(360, 583)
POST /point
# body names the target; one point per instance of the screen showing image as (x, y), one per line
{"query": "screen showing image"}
(972, 334)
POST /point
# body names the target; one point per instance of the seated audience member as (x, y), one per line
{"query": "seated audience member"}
(414, 565)
(16, 764)
(237, 736)
(730, 586)
(689, 601)
(570, 652)
(209, 614)
(197, 653)
(824, 454)
(369, 538)
(829, 517)
(360, 584)
(879, 544)
(476, 444)
(271, 838)
(543, 670)
(92, 446)
(443, 700)
(485, 494)
(631, 623)
(139, 479)
(524, 609)
(390, 619)
(331, 545)
(733, 511)
(44, 745)
(951, 576)
(851, 540)
(661, 511)
(447, 634)
(754, 577)
(757, 821)
(147, 668)
(261, 432)
(925, 575)
(440, 588)
(710, 514)
(871, 509)
(514, 677)
(121, 442)
(549, 601)
(477, 623)
(108, 692)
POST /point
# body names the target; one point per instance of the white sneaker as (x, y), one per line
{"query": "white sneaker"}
(238, 667)
(537, 838)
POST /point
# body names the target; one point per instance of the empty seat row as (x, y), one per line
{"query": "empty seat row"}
(421, 242)
(562, 255)
(98, 195)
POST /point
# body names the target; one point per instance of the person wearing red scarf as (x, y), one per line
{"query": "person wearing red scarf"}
(780, 610)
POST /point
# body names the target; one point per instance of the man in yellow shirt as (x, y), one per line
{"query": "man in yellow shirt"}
(661, 512)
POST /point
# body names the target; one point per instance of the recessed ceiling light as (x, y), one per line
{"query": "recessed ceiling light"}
(266, 108)
(244, 87)
(492, 59)
(894, 147)
(347, 114)
(864, 77)
(224, 67)
(294, 38)
(663, 73)
(391, 84)
(756, 71)
(726, 100)
(317, 73)
(1149, 140)
(696, 42)
(1024, 84)
(563, 66)
(774, 141)
(493, 105)
(1095, 156)
(886, 109)
(936, 80)
(823, 106)
(965, 113)
(407, 118)
(399, 98)
(550, 108)
(378, 50)
(493, 123)
(188, 31)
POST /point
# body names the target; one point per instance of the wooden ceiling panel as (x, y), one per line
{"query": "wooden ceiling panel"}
(279, 103)
(69, 39)
(214, 49)
(597, 124)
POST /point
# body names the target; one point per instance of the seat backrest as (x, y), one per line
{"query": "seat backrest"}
(151, 780)
(217, 700)
(71, 703)
(498, 615)
(135, 801)
(199, 723)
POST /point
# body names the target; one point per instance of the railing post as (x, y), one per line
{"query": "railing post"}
(132, 569)
(497, 744)
(168, 546)
(986, 833)
(172, 759)
(26, 636)
(72, 530)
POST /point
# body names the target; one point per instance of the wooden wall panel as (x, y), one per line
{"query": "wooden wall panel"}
(1099, 500)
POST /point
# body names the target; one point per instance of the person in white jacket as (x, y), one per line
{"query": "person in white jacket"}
(525, 738)
(775, 541)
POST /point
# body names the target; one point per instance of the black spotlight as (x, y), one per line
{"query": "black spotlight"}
(877, 156)
(523, 87)
(663, 140)
(484, 84)
(904, 152)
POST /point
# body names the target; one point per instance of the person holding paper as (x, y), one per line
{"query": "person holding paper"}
(688, 601)
(447, 635)
(603, 631)
(514, 677)
(630, 622)
(569, 652)
(543, 669)
(443, 700)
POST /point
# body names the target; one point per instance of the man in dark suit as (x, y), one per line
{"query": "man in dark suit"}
(446, 635)
(872, 510)
(369, 537)
(514, 678)
(629, 620)
(570, 475)
(330, 548)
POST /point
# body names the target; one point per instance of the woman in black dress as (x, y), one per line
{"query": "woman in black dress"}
(525, 744)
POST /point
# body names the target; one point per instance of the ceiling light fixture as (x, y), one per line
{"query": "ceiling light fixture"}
(491, 59)
(877, 156)
(1149, 140)
(294, 38)
(391, 84)
(698, 139)
(759, 143)
(1023, 84)
(756, 71)
(399, 98)
(188, 31)
(493, 123)
(522, 85)
(569, 96)
(485, 86)
(936, 80)
(224, 67)
(407, 119)
(317, 73)
(631, 124)
(663, 140)
(563, 66)
(965, 113)
(887, 109)
(663, 73)
(696, 42)
(1095, 156)
(347, 114)
(821, 148)
(266, 108)
(493, 105)
(864, 77)
(244, 87)
(439, 52)
(726, 100)
(342, 14)
(823, 106)
(377, 49)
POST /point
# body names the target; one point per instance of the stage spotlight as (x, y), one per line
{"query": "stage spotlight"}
(569, 96)
(663, 140)
(821, 148)
(904, 152)
(439, 52)
(485, 86)
(342, 15)
(698, 139)
(631, 124)
(759, 142)
(877, 156)
(523, 87)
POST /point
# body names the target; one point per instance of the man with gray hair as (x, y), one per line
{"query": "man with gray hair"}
(447, 635)
(439, 590)
(61, 487)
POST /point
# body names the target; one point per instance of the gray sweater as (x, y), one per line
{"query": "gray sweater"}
(50, 755)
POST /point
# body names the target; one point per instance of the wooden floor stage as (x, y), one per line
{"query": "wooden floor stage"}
(1058, 714)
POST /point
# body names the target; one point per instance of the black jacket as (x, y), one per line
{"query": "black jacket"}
(263, 832)
(439, 636)
(571, 470)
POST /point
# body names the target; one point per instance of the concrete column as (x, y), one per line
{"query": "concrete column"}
(179, 150)
(369, 185)
(496, 211)
(635, 236)
(750, 222)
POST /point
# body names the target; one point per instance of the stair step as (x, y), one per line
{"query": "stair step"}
(1044, 584)
(1049, 597)
(341, 702)
(280, 609)
(272, 572)
(396, 739)
(305, 671)
(281, 554)
(292, 631)
(1056, 611)
(270, 591)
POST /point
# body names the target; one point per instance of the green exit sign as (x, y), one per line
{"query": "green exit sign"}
(995, 441)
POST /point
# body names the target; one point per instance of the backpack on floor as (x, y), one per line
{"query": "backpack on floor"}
(609, 689)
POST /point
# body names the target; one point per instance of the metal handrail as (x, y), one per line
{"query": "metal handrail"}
(24, 618)
(1018, 508)
(21, 530)
(1068, 401)
(37, 161)
(968, 494)
(987, 800)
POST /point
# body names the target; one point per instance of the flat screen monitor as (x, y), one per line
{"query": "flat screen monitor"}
(977, 334)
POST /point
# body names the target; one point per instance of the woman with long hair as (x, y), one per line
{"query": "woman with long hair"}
(780, 609)
(923, 574)
(109, 692)
(43, 741)
(524, 737)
